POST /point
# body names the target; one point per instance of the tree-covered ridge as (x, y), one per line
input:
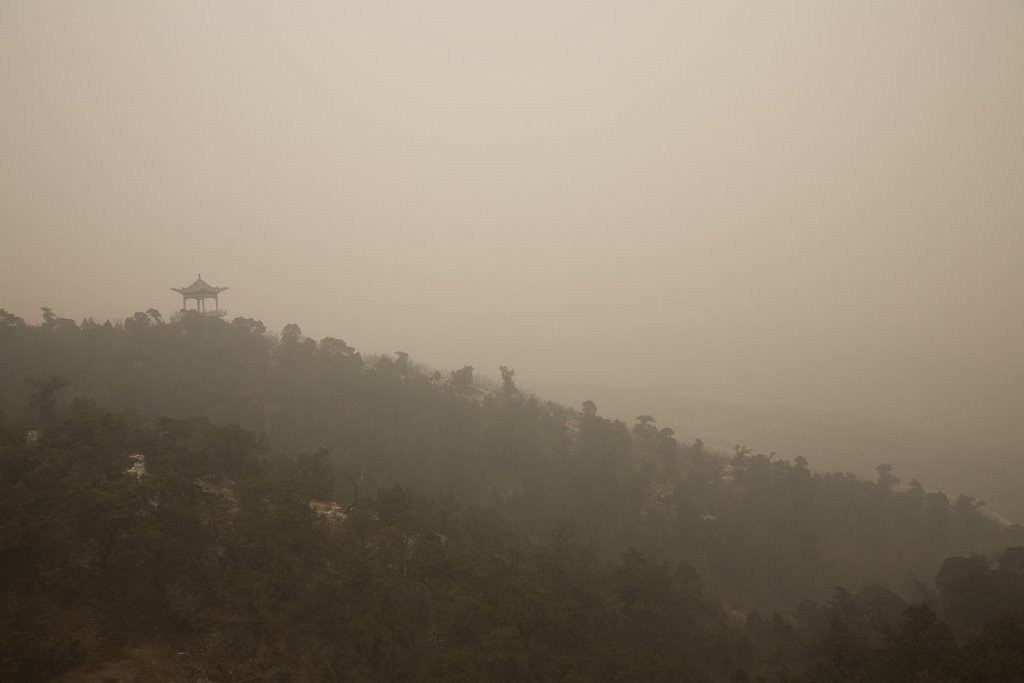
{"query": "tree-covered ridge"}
(396, 523)
(764, 531)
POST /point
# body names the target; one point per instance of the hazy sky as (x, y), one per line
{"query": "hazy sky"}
(814, 203)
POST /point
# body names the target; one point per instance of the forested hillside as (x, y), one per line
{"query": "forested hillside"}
(275, 506)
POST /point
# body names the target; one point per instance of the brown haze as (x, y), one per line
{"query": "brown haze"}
(801, 204)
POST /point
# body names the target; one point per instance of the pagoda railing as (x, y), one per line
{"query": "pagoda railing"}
(212, 313)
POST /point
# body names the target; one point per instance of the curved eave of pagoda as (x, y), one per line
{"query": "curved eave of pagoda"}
(199, 292)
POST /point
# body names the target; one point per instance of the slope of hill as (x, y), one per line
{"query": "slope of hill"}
(831, 441)
(284, 508)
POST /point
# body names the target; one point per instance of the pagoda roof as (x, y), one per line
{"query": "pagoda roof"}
(199, 288)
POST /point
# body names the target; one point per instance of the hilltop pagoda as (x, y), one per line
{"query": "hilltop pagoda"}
(200, 291)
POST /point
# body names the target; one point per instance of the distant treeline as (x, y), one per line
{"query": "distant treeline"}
(281, 507)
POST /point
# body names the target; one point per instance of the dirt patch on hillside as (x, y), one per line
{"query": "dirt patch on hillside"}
(151, 664)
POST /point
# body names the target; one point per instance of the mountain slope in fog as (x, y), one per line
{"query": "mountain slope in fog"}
(831, 441)
(271, 501)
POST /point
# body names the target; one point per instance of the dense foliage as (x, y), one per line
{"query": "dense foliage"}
(281, 507)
